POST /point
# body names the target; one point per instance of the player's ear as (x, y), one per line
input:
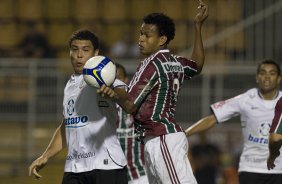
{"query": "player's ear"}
(163, 40)
(279, 80)
(96, 52)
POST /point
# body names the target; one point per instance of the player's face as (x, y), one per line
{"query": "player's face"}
(149, 39)
(80, 52)
(267, 78)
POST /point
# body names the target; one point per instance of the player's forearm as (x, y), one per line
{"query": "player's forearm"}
(198, 54)
(122, 98)
(275, 142)
(57, 142)
(202, 125)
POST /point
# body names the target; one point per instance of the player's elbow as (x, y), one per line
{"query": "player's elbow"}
(131, 109)
(275, 138)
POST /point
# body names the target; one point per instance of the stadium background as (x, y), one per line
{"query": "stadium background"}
(237, 35)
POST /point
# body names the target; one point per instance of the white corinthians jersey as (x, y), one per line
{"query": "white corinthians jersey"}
(90, 123)
(256, 118)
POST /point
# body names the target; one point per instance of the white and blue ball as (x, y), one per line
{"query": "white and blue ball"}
(99, 70)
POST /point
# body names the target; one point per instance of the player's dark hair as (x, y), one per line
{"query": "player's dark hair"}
(272, 62)
(165, 25)
(85, 34)
(122, 68)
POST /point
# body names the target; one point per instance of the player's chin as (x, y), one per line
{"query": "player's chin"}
(141, 50)
(268, 89)
(144, 52)
(78, 70)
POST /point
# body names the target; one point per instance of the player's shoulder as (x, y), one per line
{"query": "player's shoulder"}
(160, 56)
(250, 94)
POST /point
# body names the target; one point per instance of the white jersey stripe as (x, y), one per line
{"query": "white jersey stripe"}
(144, 89)
(168, 161)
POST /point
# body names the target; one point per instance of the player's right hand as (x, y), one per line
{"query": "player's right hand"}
(106, 91)
(203, 12)
(271, 159)
(36, 166)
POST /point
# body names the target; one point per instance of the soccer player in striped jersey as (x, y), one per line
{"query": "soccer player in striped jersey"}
(133, 149)
(256, 110)
(152, 97)
(275, 136)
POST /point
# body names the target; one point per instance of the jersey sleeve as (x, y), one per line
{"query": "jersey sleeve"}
(142, 83)
(276, 126)
(119, 84)
(225, 110)
(190, 67)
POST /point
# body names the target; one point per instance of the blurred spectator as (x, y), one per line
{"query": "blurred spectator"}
(206, 163)
(125, 48)
(103, 48)
(34, 44)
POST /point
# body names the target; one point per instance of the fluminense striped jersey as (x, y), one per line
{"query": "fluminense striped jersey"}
(276, 126)
(133, 149)
(154, 89)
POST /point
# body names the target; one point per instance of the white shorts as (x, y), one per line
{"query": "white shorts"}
(141, 180)
(166, 160)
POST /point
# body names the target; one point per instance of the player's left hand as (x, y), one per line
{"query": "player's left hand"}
(36, 166)
(203, 12)
(106, 91)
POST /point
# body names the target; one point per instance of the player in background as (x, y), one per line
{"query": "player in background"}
(256, 110)
(152, 97)
(275, 136)
(88, 130)
(133, 149)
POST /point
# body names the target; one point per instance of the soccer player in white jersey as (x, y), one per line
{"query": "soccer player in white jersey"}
(152, 97)
(256, 110)
(88, 131)
(133, 149)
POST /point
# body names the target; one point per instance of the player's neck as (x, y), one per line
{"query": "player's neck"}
(268, 95)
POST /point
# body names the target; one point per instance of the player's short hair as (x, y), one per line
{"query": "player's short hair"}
(272, 62)
(165, 25)
(84, 34)
(119, 66)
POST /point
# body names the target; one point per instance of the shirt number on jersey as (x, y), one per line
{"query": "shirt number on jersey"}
(176, 86)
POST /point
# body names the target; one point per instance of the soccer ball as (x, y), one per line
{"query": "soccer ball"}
(99, 70)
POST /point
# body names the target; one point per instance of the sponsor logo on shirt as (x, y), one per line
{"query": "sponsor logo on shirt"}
(218, 104)
(263, 132)
(264, 129)
(125, 133)
(258, 140)
(254, 108)
(76, 121)
(70, 107)
(78, 156)
(172, 67)
(254, 159)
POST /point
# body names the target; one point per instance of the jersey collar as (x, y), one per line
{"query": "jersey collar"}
(276, 95)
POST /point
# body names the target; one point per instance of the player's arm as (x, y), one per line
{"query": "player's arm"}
(275, 142)
(120, 96)
(202, 125)
(198, 54)
(56, 144)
